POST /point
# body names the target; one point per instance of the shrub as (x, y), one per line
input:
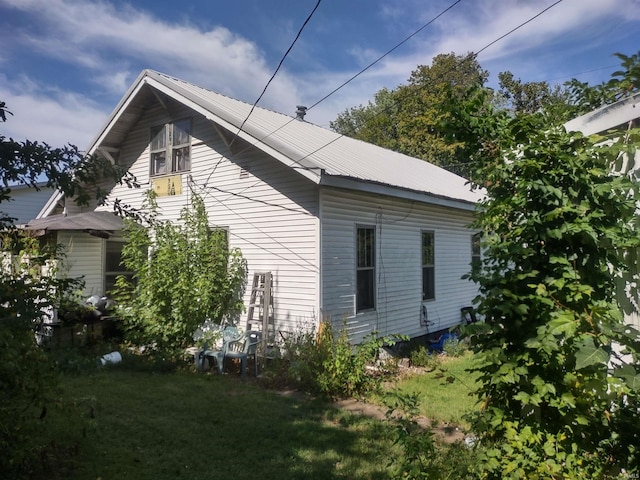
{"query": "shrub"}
(454, 347)
(327, 364)
(422, 357)
(421, 455)
(184, 274)
(560, 230)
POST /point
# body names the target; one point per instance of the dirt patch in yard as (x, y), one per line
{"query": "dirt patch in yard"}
(445, 432)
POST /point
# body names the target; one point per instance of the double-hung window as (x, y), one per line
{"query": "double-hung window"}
(365, 268)
(428, 266)
(170, 148)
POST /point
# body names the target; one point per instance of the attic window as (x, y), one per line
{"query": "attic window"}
(170, 148)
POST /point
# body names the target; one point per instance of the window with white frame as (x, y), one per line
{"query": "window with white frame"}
(170, 148)
(428, 266)
(365, 268)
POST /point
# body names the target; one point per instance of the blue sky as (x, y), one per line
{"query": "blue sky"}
(65, 64)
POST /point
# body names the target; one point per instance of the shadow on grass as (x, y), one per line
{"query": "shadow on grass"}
(142, 425)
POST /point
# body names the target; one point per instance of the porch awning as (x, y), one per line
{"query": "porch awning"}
(100, 224)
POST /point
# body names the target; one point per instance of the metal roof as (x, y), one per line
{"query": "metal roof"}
(321, 155)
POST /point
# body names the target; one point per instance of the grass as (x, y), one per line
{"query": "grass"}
(148, 421)
(122, 424)
(445, 392)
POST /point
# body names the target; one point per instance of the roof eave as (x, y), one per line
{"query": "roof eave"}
(366, 186)
(607, 117)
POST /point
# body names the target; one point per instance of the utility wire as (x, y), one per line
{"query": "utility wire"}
(387, 53)
(276, 71)
(420, 88)
(519, 26)
(395, 103)
(608, 67)
(346, 82)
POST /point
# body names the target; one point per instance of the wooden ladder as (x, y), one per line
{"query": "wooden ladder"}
(260, 312)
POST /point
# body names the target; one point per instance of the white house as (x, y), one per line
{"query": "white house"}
(350, 231)
(618, 116)
(26, 202)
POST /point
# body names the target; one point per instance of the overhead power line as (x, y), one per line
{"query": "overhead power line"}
(518, 27)
(204, 187)
(395, 104)
(387, 53)
(357, 74)
(276, 70)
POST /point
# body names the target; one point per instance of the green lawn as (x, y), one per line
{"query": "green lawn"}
(445, 393)
(126, 422)
(139, 425)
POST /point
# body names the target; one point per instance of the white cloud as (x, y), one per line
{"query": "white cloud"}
(111, 45)
(54, 117)
(91, 34)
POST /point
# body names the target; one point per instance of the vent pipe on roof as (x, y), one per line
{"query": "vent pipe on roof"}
(301, 112)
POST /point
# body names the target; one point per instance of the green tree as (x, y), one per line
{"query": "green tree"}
(557, 227)
(185, 274)
(584, 98)
(532, 97)
(27, 377)
(408, 119)
(374, 123)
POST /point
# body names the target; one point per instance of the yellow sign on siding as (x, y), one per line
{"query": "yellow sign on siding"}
(166, 186)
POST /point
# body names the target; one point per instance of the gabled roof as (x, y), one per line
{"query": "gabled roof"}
(323, 156)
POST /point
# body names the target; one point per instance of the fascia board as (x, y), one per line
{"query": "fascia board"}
(51, 204)
(118, 111)
(387, 190)
(607, 117)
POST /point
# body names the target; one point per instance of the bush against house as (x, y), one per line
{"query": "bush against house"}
(184, 274)
(558, 400)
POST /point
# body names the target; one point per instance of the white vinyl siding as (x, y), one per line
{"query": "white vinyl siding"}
(25, 203)
(83, 257)
(399, 265)
(270, 212)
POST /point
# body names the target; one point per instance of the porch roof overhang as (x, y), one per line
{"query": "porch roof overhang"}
(98, 223)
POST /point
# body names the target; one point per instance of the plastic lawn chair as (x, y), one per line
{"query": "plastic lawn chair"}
(229, 334)
(244, 348)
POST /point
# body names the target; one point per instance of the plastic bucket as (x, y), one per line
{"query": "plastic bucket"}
(110, 358)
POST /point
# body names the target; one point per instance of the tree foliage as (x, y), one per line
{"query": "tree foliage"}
(624, 82)
(558, 225)
(185, 274)
(428, 117)
(27, 378)
(532, 97)
(408, 119)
